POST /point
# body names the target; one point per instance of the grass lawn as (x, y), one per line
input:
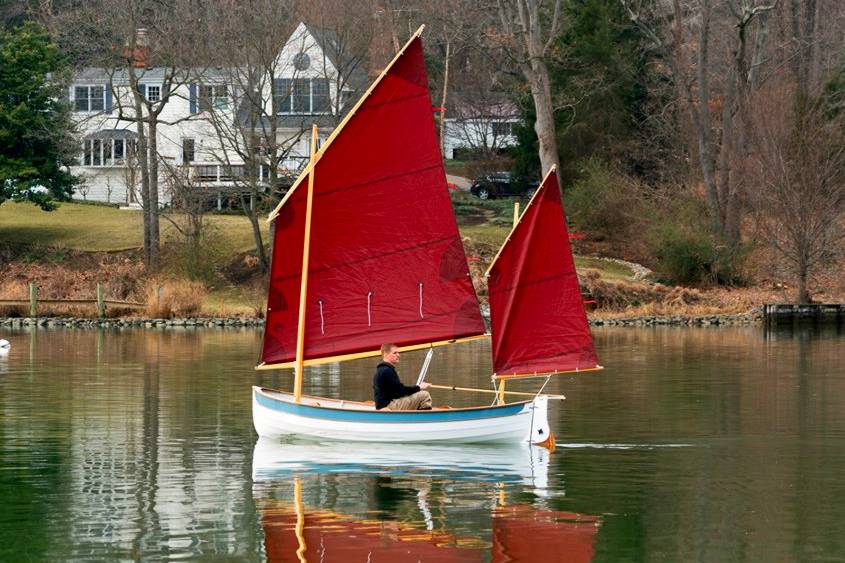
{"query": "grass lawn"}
(609, 270)
(96, 228)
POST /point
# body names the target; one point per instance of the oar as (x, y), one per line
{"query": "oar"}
(453, 388)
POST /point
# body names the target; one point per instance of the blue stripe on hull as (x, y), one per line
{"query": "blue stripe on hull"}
(349, 415)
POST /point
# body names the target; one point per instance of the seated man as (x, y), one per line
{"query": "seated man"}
(390, 393)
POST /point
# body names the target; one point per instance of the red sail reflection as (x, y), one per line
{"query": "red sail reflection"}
(523, 533)
(520, 533)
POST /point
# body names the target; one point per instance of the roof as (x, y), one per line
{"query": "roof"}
(113, 134)
(462, 109)
(120, 76)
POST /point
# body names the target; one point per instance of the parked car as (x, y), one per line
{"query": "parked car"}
(502, 184)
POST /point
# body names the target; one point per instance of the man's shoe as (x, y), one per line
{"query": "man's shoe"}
(424, 409)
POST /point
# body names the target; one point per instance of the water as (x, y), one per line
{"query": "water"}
(694, 445)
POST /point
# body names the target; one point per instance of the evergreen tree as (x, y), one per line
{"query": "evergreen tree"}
(599, 88)
(35, 128)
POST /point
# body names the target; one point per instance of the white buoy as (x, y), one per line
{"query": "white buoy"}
(5, 346)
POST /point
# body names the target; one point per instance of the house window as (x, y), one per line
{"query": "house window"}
(89, 98)
(188, 154)
(103, 152)
(302, 96)
(96, 152)
(282, 95)
(153, 93)
(502, 128)
(214, 96)
(320, 96)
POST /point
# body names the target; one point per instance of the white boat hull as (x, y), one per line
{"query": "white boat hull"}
(275, 460)
(276, 414)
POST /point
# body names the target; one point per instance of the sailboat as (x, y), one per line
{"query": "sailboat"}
(367, 251)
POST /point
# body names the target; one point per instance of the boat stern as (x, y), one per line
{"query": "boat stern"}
(541, 432)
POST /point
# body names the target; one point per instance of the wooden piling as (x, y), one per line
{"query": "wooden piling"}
(33, 300)
(101, 302)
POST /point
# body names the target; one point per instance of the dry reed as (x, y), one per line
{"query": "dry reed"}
(174, 298)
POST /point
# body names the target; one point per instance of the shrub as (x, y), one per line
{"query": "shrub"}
(14, 290)
(686, 253)
(199, 258)
(174, 298)
(603, 201)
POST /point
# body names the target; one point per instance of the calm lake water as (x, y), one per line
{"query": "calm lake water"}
(708, 444)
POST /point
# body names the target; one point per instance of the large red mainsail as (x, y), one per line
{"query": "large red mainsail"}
(386, 262)
(537, 314)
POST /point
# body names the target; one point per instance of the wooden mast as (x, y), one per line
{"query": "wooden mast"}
(303, 288)
(500, 394)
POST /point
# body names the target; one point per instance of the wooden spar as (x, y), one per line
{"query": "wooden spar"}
(504, 376)
(478, 390)
(516, 222)
(302, 547)
(501, 392)
(303, 287)
(343, 123)
(368, 353)
(515, 214)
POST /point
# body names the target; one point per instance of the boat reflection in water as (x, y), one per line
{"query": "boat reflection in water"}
(386, 502)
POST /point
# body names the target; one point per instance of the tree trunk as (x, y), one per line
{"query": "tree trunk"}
(143, 150)
(252, 214)
(153, 210)
(443, 99)
(803, 295)
(703, 122)
(544, 126)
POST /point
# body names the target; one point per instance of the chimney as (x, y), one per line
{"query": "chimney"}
(382, 47)
(139, 56)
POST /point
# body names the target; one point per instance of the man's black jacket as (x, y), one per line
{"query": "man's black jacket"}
(386, 385)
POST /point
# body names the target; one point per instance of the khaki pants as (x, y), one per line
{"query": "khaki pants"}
(417, 401)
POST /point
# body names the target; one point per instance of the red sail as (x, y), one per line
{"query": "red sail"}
(386, 262)
(538, 318)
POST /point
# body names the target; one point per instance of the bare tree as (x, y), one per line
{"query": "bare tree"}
(258, 126)
(800, 199)
(527, 32)
(714, 55)
(139, 41)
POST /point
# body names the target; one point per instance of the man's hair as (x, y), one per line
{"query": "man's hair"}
(387, 347)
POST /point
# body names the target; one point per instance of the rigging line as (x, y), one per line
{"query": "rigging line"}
(369, 316)
(421, 303)
(548, 377)
(322, 321)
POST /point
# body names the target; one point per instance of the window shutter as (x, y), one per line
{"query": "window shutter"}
(142, 89)
(192, 97)
(109, 100)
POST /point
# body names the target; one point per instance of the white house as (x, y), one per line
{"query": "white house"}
(480, 128)
(205, 115)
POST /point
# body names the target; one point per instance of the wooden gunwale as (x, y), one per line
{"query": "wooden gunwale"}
(457, 409)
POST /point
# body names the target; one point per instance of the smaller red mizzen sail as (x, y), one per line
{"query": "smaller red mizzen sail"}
(538, 321)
